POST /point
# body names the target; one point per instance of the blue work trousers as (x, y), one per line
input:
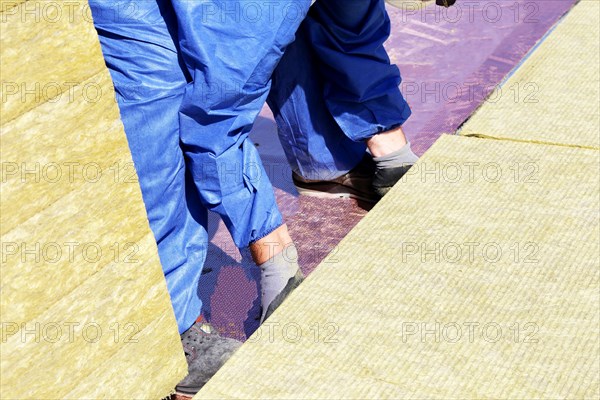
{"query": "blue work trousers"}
(191, 77)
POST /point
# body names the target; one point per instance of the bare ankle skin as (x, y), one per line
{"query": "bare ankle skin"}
(271, 245)
(387, 142)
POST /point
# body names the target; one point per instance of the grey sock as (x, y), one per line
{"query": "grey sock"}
(275, 274)
(399, 158)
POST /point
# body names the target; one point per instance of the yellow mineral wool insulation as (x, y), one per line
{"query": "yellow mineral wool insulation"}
(476, 277)
(85, 311)
(554, 97)
(48, 47)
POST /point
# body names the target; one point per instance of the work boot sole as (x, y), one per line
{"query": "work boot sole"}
(206, 352)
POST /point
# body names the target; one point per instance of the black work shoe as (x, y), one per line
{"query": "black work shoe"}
(292, 284)
(355, 184)
(205, 351)
(386, 178)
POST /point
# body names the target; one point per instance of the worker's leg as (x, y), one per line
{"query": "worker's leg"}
(231, 49)
(148, 78)
(350, 87)
(361, 88)
(314, 144)
(361, 85)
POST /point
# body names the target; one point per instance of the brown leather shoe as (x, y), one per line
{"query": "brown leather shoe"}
(356, 184)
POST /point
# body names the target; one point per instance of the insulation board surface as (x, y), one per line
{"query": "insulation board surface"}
(84, 306)
(476, 277)
(554, 96)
